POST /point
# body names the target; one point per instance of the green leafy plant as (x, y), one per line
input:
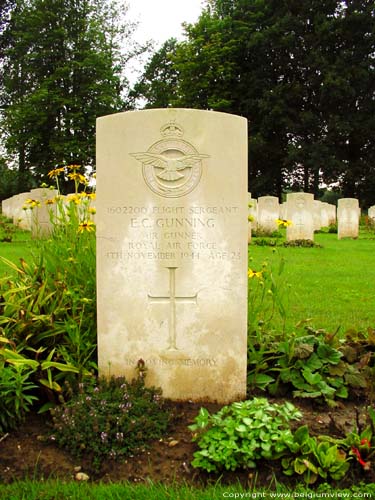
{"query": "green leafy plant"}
(264, 233)
(265, 242)
(16, 394)
(315, 457)
(110, 418)
(361, 442)
(301, 243)
(267, 296)
(7, 229)
(309, 365)
(242, 433)
(48, 304)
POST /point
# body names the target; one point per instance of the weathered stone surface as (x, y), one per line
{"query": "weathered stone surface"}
(268, 213)
(348, 213)
(172, 217)
(300, 209)
(41, 224)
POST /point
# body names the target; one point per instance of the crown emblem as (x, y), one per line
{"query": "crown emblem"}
(171, 129)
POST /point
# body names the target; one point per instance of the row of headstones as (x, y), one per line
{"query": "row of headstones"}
(31, 210)
(304, 215)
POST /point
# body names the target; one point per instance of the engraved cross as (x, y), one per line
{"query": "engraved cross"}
(172, 299)
(300, 226)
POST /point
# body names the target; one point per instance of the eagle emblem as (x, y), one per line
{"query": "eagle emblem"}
(171, 167)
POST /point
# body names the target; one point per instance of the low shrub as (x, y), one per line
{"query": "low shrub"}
(242, 433)
(301, 243)
(7, 229)
(110, 418)
(315, 457)
(309, 366)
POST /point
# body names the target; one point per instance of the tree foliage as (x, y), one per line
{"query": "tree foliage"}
(157, 86)
(302, 72)
(61, 69)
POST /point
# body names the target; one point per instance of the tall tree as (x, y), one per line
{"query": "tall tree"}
(302, 72)
(158, 85)
(62, 69)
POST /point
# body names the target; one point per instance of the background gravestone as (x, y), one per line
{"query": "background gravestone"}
(317, 215)
(348, 213)
(21, 217)
(300, 208)
(268, 213)
(41, 224)
(172, 250)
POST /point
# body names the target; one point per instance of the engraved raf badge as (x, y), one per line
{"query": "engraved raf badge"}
(171, 167)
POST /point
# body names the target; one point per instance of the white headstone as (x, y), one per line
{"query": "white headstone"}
(172, 250)
(283, 213)
(347, 218)
(268, 213)
(300, 214)
(21, 217)
(317, 215)
(41, 214)
(371, 212)
(331, 213)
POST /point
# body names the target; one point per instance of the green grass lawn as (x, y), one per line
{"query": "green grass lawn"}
(53, 490)
(19, 248)
(333, 286)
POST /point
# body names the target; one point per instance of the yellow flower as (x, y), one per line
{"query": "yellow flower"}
(55, 172)
(92, 210)
(50, 201)
(74, 167)
(32, 203)
(74, 198)
(284, 222)
(78, 177)
(87, 225)
(92, 196)
(250, 218)
(254, 274)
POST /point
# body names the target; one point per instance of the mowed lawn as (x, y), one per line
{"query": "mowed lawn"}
(19, 248)
(333, 286)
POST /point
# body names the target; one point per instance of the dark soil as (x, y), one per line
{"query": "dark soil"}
(28, 453)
